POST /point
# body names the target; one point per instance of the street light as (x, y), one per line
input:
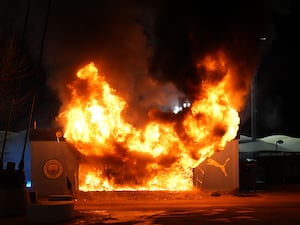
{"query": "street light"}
(278, 142)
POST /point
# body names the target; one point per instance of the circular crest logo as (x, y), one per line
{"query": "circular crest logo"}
(53, 169)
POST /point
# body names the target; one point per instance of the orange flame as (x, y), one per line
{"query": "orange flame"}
(160, 156)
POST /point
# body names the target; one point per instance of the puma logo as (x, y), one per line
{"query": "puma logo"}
(212, 162)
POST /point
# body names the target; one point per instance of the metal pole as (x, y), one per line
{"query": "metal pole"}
(6, 131)
(35, 93)
(26, 21)
(21, 163)
(13, 94)
(253, 108)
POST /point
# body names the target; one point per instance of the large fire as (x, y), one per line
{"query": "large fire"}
(161, 155)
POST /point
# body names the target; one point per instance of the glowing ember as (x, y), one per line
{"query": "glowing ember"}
(159, 156)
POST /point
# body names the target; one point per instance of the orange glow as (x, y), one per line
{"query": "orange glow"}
(159, 156)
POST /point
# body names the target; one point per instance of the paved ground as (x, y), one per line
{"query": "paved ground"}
(281, 206)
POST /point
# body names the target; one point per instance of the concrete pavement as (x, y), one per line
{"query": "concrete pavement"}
(276, 207)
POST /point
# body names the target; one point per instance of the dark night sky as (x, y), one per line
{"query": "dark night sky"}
(158, 39)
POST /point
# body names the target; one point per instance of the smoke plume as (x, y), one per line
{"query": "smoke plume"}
(149, 51)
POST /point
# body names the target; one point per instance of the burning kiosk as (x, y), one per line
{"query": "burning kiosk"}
(55, 168)
(162, 154)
